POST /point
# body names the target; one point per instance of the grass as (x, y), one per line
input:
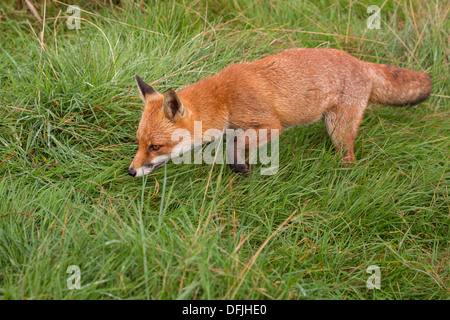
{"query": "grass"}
(68, 117)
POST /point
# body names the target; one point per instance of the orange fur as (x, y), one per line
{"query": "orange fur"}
(296, 86)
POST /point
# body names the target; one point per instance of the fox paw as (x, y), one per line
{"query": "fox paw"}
(240, 168)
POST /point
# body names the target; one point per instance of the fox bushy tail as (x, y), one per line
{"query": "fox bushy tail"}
(397, 86)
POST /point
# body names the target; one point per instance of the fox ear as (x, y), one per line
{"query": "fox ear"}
(172, 106)
(145, 90)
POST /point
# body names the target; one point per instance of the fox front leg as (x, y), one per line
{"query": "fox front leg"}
(243, 142)
(236, 156)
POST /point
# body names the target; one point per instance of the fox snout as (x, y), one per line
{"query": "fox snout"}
(146, 168)
(132, 172)
(139, 172)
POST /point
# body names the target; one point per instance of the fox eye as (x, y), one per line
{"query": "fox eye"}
(155, 147)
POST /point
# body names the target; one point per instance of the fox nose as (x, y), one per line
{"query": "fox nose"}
(132, 172)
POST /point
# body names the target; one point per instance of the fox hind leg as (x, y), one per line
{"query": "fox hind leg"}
(342, 124)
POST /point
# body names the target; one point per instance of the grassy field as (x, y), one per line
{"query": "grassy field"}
(69, 109)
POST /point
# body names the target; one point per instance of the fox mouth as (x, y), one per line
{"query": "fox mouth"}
(145, 169)
(158, 165)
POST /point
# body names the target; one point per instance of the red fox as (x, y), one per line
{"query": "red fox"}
(296, 86)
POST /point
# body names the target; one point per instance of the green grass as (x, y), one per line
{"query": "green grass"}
(69, 110)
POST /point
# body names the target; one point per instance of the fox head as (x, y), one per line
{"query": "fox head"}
(162, 115)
